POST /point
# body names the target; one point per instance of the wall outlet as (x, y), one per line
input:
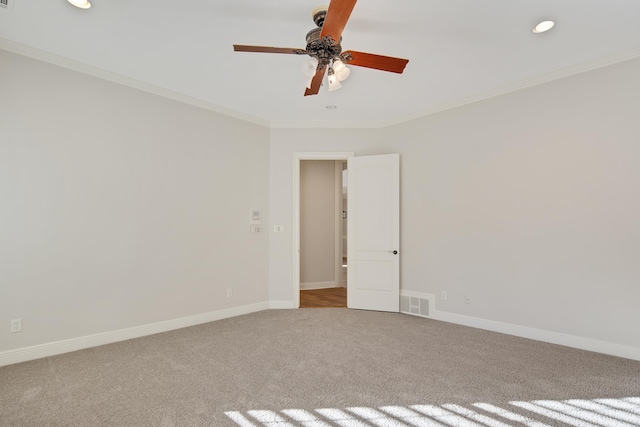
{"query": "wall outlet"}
(467, 299)
(443, 295)
(229, 293)
(16, 325)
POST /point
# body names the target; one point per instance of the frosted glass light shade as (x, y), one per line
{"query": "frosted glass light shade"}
(309, 67)
(342, 72)
(334, 84)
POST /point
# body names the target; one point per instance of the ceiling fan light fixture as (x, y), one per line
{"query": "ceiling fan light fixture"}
(334, 84)
(341, 70)
(343, 74)
(82, 4)
(543, 27)
(324, 43)
(310, 67)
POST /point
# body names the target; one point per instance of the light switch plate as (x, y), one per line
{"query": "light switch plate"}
(255, 216)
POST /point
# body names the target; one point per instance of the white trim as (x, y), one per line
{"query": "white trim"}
(567, 340)
(297, 157)
(519, 85)
(59, 347)
(281, 305)
(311, 124)
(422, 295)
(125, 81)
(73, 344)
(307, 286)
(582, 343)
(337, 223)
(137, 84)
(491, 93)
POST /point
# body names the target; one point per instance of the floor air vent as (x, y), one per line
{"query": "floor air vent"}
(415, 305)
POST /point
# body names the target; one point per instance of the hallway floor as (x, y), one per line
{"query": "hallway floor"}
(329, 297)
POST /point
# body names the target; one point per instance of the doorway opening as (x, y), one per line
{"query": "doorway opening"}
(320, 229)
(323, 233)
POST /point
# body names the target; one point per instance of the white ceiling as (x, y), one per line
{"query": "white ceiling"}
(459, 50)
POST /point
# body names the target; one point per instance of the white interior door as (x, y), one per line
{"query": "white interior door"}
(373, 231)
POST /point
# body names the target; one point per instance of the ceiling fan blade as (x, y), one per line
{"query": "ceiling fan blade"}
(265, 49)
(377, 62)
(336, 19)
(316, 83)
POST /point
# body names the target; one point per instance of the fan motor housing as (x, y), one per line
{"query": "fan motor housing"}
(325, 49)
(318, 14)
(313, 35)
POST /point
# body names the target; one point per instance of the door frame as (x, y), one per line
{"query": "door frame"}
(297, 158)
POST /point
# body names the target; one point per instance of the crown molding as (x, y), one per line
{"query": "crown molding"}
(481, 96)
(519, 85)
(80, 67)
(314, 124)
(310, 124)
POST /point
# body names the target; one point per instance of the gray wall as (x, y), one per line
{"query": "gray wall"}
(527, 202)
(120, 208)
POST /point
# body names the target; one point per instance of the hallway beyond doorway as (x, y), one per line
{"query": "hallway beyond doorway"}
(319, 298)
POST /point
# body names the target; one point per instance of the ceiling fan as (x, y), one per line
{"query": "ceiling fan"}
(323, 46)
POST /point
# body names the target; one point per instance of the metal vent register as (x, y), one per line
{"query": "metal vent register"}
(414, 305)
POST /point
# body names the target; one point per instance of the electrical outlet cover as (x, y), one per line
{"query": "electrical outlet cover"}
(16, 325)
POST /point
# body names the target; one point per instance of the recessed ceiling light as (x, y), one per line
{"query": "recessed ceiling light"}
(331, 107)
(543, 26)
(82, 4)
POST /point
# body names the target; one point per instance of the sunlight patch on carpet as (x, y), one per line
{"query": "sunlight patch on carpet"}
(623, 412)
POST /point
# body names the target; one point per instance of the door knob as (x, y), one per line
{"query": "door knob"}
(393, 252)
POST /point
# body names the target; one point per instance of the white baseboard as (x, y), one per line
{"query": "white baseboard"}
(589, 344)
(281, 305)
(58, 347)
(308, 286)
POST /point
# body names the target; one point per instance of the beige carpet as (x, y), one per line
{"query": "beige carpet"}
(323, 367)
